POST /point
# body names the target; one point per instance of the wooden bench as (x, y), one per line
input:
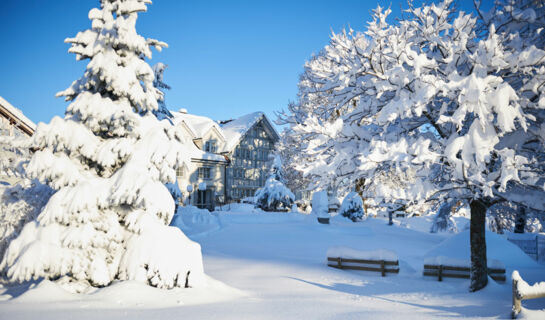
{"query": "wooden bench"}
(442, 271)
(518, 295)
(382, 266)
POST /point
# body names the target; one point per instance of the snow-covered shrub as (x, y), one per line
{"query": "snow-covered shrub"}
(108, 159)
(320, 205)
(274, 196)
(20, 204)
(443, 220)
(352, 207)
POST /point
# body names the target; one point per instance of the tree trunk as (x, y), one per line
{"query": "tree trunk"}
(520, 220)
(479, 269)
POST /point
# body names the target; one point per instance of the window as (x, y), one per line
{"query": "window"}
(239, 173)
(204, 172)
(210, 146)
(180, 171)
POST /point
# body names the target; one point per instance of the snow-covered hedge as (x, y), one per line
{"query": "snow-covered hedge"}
(352, 207)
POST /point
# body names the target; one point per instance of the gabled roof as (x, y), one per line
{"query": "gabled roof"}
(198, 125)
(235, 129)
(17, 116)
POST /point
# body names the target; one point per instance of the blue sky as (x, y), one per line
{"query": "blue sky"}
(225, 58)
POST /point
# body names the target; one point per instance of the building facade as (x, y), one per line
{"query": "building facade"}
(230, 159)
(249, 155)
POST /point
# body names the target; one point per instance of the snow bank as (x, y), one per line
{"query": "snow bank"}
(498, 248)
(349, 253)
(194, 221)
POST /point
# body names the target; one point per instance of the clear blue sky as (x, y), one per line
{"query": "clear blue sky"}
(225, 58)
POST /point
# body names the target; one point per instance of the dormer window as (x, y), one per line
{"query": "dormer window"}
(211, 146)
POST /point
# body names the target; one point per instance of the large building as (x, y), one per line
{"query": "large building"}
(231, 160)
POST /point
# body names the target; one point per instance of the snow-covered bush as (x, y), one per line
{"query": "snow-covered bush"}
(320, 205)
(352, 207)
(443, 220)
(108, 159)
(20, 204)
(274, 195)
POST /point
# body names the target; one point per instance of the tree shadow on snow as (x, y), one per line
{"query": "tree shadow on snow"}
(10, 292)
(492, 308)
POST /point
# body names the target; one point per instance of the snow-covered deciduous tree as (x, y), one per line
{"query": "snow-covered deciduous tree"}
(457, 105)
(274, 195)
(352, 207)
(108, 160)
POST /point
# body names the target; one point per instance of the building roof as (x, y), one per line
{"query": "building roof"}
(17, 116)
(235, 129)
(198, 125)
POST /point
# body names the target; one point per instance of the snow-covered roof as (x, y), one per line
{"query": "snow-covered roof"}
(198, 125)
(17, 115)
(234, 130)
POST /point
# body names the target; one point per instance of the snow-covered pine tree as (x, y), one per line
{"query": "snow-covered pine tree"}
(162, 111)
(274, 195)
(352, 207)
(109, 159)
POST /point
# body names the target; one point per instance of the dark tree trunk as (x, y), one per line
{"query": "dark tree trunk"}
(520, 220)
(390, 218)
(479, 269)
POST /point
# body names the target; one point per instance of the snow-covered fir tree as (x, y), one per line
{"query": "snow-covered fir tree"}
(108, 160)
(443, 221)
(162, 111)
(352, 207)
(459, 108)
(274, 195)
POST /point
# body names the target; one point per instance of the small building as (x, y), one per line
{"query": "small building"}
(13, 122)
(229, 159)
(14, 126)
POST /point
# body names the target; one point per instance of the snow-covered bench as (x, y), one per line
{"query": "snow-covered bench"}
(382, 261)
(444, 267)
(523, 291)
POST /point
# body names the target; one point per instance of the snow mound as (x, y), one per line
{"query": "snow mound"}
(194, 221)
(497, 247)
(349, 253)
(131, 294)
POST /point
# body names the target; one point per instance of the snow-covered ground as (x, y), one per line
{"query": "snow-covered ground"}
(273, 266)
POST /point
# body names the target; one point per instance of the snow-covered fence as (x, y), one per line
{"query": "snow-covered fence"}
(523, 291)
(382, 261)
(442, 267)
(532, 244)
